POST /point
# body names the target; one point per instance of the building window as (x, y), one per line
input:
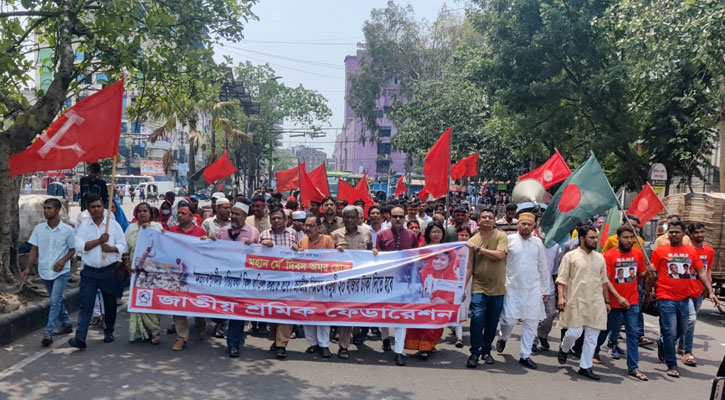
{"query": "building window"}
(124, 127)
(101, 77)
(384, 131)
(68, 102)
(383, 148)
(88, 80)
(382, 166)
(135, 127)
(386, 109)
(378, 113)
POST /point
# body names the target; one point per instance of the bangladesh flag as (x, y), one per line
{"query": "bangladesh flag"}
(585, 193)
(611, 224)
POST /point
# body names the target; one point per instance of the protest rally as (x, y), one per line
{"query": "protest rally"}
(520, 199)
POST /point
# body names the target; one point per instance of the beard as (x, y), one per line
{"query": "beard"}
(590, 247)
(235, 225)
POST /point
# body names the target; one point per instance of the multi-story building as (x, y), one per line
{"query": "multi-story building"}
(376, 158)
(312, 157)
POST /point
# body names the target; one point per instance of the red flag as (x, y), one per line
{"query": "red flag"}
(220, 169)
(288, 179)
(89, 130)
(423, 194)
(437, 165)
(400, 187)
(646, 205)
(466, 167)
(346, 192)
(553, 171)
(319, 178)
(308, 191)
(364, 190)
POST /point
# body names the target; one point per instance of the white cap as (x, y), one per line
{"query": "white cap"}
(287, 213)
(223, 200)
(218, 195)
(241, 206)
(299, 215)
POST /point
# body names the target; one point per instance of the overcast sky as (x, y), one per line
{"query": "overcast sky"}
(306, 43)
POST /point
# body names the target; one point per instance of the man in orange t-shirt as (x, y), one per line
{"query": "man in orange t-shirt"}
(674, 290)
(707, 254)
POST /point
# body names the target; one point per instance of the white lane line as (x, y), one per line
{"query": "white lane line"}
(27, 360)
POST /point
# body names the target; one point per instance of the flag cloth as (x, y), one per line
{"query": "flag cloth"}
(346, 192)
(287, 180)
(438, 164)
(423, 194)
(319, 178)
(611, 224)
(364, 190)
(88, 131)
(646, 205)
(583, 195)
(553, 171)
(308, 191)
(219, 169)
(400, 187)
(466, 167)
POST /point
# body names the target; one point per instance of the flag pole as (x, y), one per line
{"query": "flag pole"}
(110, 196)
(448, 182)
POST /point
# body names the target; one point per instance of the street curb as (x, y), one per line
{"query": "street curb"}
(19, 323)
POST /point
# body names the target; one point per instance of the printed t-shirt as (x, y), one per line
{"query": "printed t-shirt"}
(707, 255)
(675, 267)
(622, 270)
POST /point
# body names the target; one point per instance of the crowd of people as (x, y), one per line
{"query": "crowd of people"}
(511, 276)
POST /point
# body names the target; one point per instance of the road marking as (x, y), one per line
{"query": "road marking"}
(27, 360)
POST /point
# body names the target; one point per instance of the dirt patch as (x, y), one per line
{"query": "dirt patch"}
(19, 295)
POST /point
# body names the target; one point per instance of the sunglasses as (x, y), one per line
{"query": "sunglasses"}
(397, 216)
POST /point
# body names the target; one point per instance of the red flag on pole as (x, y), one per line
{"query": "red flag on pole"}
(423, 194)
(646, 205)
(346, 192)
(319, 178)
(553, 171)
(400, 187)
(438, 164)
(308, 191)
(364, 190)
(466, 167)
(89, 130)
(288, 179)
(220, 169)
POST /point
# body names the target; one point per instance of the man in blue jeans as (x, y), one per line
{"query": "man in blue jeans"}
(624, 260)
(53, 247)
(487, 269)
(673, 291)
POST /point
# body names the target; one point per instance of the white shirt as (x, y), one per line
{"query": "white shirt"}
(89, 231)
(375, 234)
(53, 244)
(527, 278)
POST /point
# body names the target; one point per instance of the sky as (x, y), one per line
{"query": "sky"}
(306, 43)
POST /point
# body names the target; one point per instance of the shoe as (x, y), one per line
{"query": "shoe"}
(544, 344)
(64, 329)
(472, 361)
(325, 352)
(386, 345)
(47, 339)
(219, 331)
(535, 348)
(312, 349)
(171, 330)
(281, 353)
(561, 357)
(95, 320)
(488, 359)
(660, 350)
(357, 340)
(459, 343)
(179, 345)
(528, 363)
(375, 332)
(343, 353)
(423, 355)
(399, 360)
(615, 353)
(78, 344)
(589, 373)
(108, 338)
(500, 345)
(273, 347)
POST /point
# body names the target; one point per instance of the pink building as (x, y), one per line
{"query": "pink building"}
(376, 158)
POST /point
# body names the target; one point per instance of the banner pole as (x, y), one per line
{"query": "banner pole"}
(110, 196)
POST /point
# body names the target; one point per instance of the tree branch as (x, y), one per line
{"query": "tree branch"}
(46, 14)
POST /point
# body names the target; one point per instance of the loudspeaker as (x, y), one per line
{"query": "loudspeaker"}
(528, 190)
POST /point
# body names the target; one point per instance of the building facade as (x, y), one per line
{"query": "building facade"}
(376, 158)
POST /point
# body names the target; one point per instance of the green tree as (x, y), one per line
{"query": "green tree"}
(157, 44)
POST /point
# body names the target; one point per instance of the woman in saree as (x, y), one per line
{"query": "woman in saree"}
(440, 266)
(141, 326)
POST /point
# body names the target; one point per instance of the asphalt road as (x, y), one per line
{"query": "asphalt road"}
(124, 370)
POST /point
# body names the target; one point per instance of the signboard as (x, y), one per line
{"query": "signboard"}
(658, 178)
(152, 168)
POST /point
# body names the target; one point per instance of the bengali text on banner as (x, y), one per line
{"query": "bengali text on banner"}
(183, 275)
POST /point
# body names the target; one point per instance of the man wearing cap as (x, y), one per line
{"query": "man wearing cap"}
(298, 223)
(214, 197)
(330, 221)
(220, 220)
(258, 219)
(527, 287)
(238, 231)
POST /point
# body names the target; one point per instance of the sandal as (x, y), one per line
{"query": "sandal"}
(155, 338)
(643, 341)
(689, 360)
(343, 353)
(233, 353)
(673, 373)
(635, 373)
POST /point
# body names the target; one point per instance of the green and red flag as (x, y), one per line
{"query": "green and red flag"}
(584, 194)
(610, 226)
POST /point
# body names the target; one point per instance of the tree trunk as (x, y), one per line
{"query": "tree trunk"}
(192, 166)
(721, 130)
(10, 226)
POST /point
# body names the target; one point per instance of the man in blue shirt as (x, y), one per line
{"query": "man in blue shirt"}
(53, 247)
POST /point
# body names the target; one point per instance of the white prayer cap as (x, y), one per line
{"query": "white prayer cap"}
(218, 195)
(287, 213)
(223, 200)
(299, 215)
(241, 206)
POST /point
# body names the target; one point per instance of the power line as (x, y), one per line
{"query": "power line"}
(297, 60)
(303, 43)
(290, 68)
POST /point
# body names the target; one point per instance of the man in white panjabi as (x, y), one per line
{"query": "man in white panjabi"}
(527, 286)
(583, 299)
